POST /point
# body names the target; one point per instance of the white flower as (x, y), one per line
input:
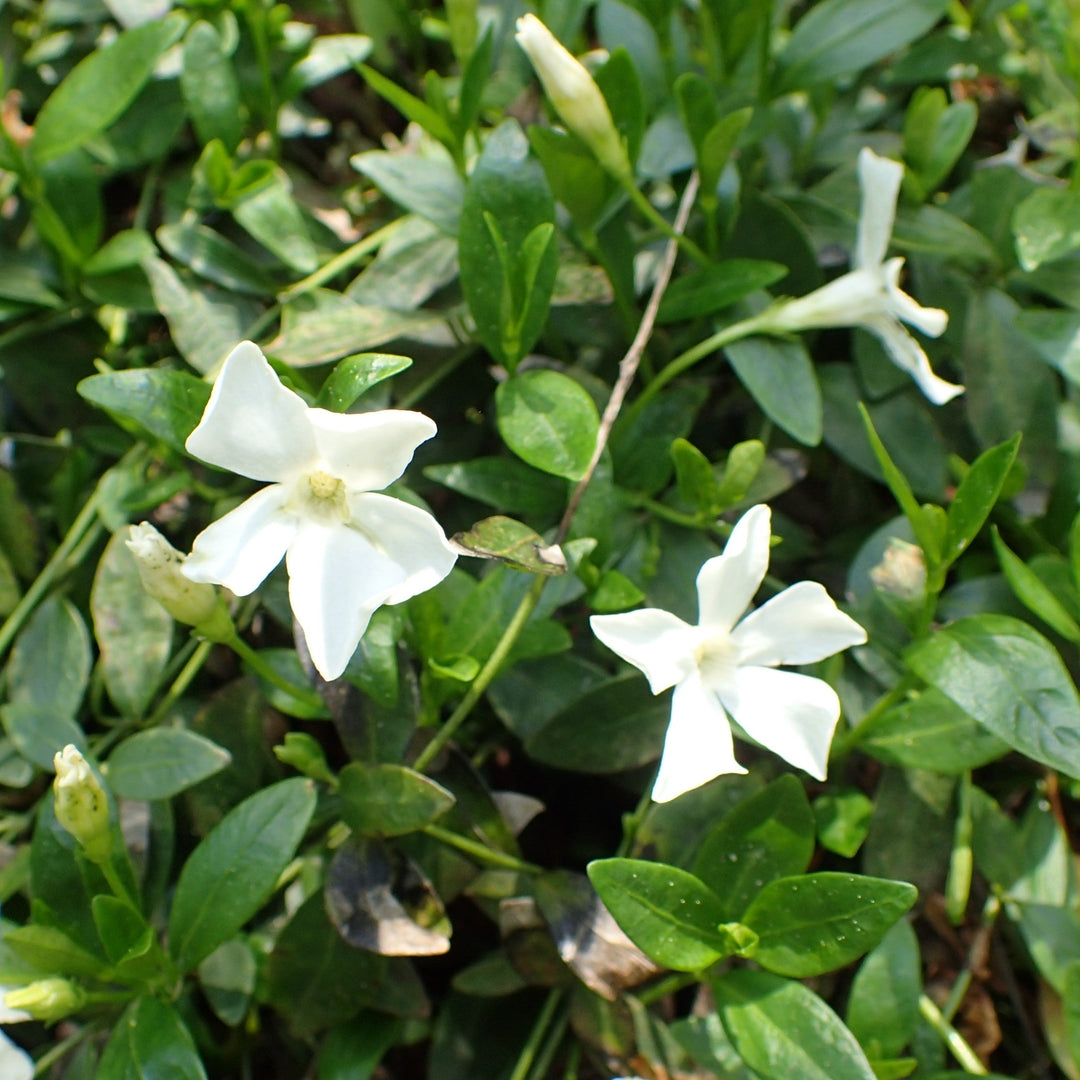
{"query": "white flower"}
(720, 668)
(347, 550)
(576, 97)
(870, 295)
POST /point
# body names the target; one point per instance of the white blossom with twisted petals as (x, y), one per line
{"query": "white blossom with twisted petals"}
(726, 667)
(869, 295)
(347, 549)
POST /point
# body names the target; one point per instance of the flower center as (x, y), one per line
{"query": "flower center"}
(717, 658)
(322, 496)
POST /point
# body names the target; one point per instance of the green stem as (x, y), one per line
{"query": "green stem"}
(958, 882)
(669, 984)
(957, 1044)
(686, 360)
(309, 698)
(180, 683)
(679, 517)
(481, 852)
(43, 1065)
(638, 198)
(845, 742)
(84, 525)
(118, 887)
(536, 1036)
(485, 676)
(991, 910)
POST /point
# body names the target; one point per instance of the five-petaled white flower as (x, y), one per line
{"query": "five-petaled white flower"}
(720, 668)
(870, 295)
(347, 549)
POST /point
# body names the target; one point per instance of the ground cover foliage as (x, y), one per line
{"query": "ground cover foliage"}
(445, 860)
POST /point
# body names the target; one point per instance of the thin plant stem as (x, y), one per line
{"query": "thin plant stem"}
(669, 984)
(958, 1046)
(976, 954)
(484, 677)
(119, 889)
(481, 852)
(536, 1036)
(182, 681)
(673, 233)
(550, 1047)
(261, 668)
(44, 1064)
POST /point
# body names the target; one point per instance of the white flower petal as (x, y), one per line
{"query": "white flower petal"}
(879, 179)
(15, 1063)
(907, 354)
(931, 321)
(801, 625)
(252, 425)
(727, 583)
(844, 301)
(792, 715)
(658, 643)
(698, 745)
(337, 579)
(409, 536)
(368, 451)
(241, 548)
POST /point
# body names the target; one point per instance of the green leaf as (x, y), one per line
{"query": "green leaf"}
(227, 978)
(838, 37)
(976, 496)
(229, 876)
(783, 1030)
(355, 375)
(697, 481)
(1047, 226)
(504, 483)
(389, 800)
(507, 261)
(410, 106)
(271, 215)
(212, 256)
(613, 726)
(133, 631)
(935, 135)
(428, 186)
(314, 977)
(513, 543)
(843, 820)
(576, 178)
(1009, 678)
(210, 87)
(51, 950)
(779, 376)
(813, 923)
(121, 251)
(100, 88)
(168, 404)
(668, 913)
(50, 662)
(161, 763)
(150, 1040)
(710, 289)
(770, 835)
(621, 86)
(549, 421)
(932, 732)
(123, 931)
(40, 732)
(883, 1006)
(742, 467)
(1033, 593)
(614, 592)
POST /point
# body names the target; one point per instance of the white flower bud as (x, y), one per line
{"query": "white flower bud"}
(82, 807)
(46, 999)
(576, 97)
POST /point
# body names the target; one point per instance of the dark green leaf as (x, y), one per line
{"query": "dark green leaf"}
(1009, 678)
(712, 288)
(227, 978)
(231, 873)
(210, 87)
(504, 483)
(976, 496)
(780, 377)
(883, 1006)
(150, 1040)
(669, 914)
(212, 256)
(389, 800)
(1031, 591)
(162, 762)
(40, 732)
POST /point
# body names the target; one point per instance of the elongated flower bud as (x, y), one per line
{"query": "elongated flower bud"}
(194, 603)
(46, 999)
(81, 804)
(576, 97)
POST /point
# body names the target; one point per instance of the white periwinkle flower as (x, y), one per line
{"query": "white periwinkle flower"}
(719, 668)
(347, 549)
(576, 97)
(870, 295)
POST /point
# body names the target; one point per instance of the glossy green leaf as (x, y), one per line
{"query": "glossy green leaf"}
(210, 87)
(712, 288)
(162, 762)
(100, 88)
(694, 474)
(124, 932)
(40, 732)
(843, 820)
(133, 631)
(272, 216)
(1033, 593)
(668, 913)
(50, 662)
(576, 178)
(148, 1040)
(1009, 678)
(504, 483)
(212, 256)
(742, 467)
(782, 1029)
(780, 377)
(513, 543)
(49, 949)
(1047, 226)
(549, 421)
(838, 37)
(976, 496)
(229, 876)
(883, 1006)
(427, 185)
(355, 375)
(389, 800)
(767, 836)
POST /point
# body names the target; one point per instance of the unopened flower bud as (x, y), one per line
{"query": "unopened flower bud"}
(576, 97)
(46, 999)
(195, 603)
(82, 807)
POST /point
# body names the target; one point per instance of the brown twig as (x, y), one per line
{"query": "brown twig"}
(629, 364)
